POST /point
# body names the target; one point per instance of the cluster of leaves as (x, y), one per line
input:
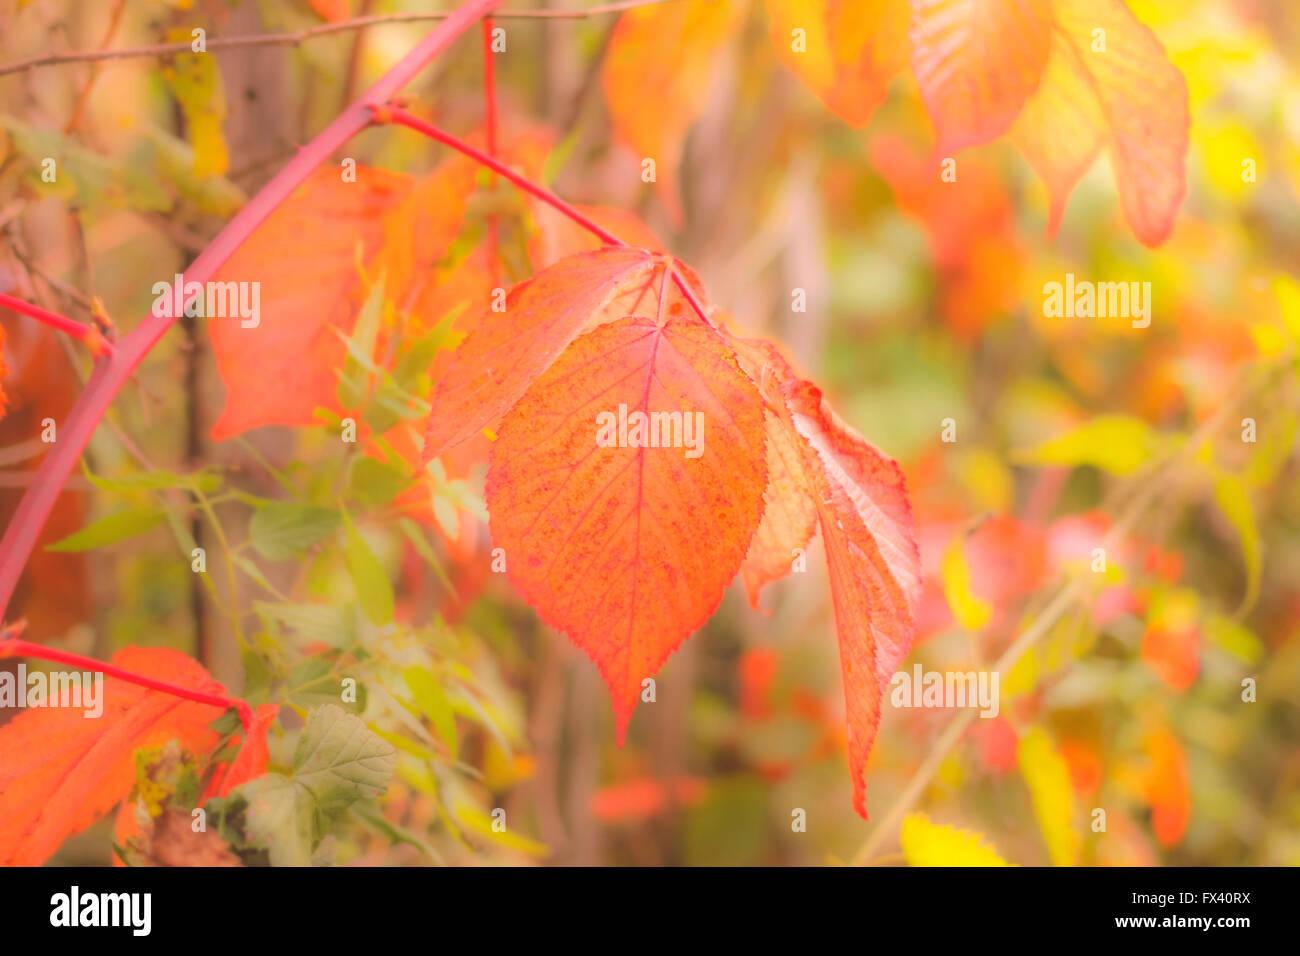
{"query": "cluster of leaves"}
(384, 306)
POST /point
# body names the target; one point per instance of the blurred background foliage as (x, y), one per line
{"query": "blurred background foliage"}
(924, 304)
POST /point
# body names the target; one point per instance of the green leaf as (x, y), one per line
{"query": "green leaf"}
(1233, 500)
(286, 528)
(374, 590)
(375, 483)
(204, 481)
(324, 622)
(354, 382)
(314, 684)
(338, 760)
(433, 703)
(1119, 444)
(110, 529)
(279, 816)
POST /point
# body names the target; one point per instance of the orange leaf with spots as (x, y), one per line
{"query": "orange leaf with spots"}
(976, 62)
(1108, 84)
(60, 771)
(507, 350)
(627, 548)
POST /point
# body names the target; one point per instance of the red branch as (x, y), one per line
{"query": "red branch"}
(78, 330)
(112, 373)
(392, 114)
(12, 647)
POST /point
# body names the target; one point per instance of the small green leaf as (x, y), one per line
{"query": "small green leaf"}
(286, 528)
(110, 529)
(375, 483)
(323, 622)
(433, 703)
(354, 380)
(338, 760)
(374, 590)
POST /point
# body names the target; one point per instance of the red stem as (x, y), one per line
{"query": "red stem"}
(78, 330)
(109, 376)
(19, 648)
(392, 114)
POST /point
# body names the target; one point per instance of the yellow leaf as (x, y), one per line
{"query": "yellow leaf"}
(1048, 778)
(195, 82)
(1231, 497)
(1119, 444)
(934, 844)
(970, 611)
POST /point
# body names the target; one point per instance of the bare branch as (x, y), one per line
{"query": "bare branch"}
(311, 33)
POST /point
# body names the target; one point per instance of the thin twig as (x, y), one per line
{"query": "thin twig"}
(88, 334)
(311, 33)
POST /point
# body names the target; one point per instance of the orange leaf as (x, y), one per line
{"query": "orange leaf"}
(1168, 790)
(627, 550)
(305, 257)
(860, 498)
(789, 514)
(332, 10)
(659, 70)
(1108, 83)
(643, 797)
(845, 51)
(976, 62)
(54, 592)
(60, 771)
(507, 350)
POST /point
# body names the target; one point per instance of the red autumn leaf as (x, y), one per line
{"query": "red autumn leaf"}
(305, 257)
(845, 51)
(976, 62)
(251, 759)
(54, 591)
(654, 98)
(507, 350)
(60, 771)
(1109, 84)
(627, 550)
(865, 518)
